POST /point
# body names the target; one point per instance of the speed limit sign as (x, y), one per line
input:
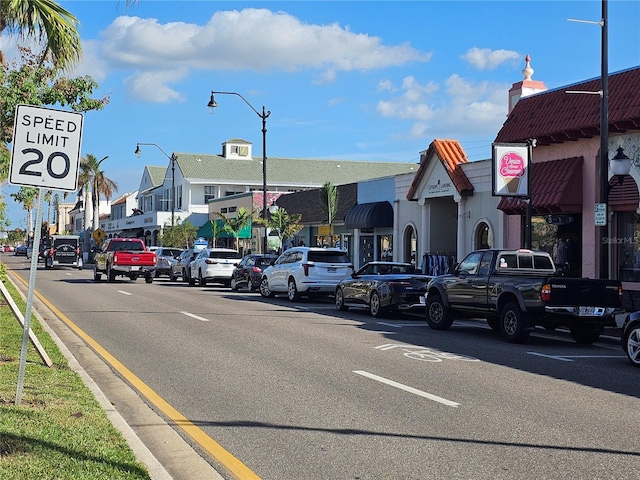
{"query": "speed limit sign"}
(46, 148)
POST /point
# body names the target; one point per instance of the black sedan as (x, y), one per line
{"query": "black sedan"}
(248, 273)
(383, 287)
(631, 338)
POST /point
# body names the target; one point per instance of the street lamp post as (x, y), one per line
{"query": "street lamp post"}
(173, 159)
(264, 115)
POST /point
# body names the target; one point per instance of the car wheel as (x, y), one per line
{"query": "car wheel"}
(148, 279)
(201, 281)
(584, 335)
(234, 285)
(192, 281)
(265, 291)
(250, 286)
(439, 317)
(185, 276)
(97, 276)
(340, 305)
(374, 305)
(632, 345)
(512, 324)
(172, 277)
(111, 275)
(292, 291)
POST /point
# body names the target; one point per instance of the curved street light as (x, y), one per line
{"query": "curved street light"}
(264, 115)
(173, 159)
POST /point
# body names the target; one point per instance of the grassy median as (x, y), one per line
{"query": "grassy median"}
(59, 431)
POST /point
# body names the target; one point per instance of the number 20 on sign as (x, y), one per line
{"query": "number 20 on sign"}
(46, 148)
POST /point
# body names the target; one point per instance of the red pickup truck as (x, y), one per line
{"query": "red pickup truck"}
(126, 257)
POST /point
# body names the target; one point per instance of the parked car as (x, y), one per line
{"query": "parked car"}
(306, 271)
(631, 338)
(21, 250)
(213, 265)
(165, 258)
(7, 248)
(181, 267)
(383, 287)
(249, 271)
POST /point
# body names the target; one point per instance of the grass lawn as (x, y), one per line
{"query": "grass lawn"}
(59, 431)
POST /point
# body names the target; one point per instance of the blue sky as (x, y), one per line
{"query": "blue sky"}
(359, 80)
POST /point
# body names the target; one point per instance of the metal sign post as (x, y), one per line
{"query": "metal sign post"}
(32, 281)
(45, 155)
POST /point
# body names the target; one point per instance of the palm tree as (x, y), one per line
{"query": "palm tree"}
(47, 22)
(91, 176)
(285, 224)
(234, 224)
(329, 205)
(27, 197)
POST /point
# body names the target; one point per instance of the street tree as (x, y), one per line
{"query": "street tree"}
(27, 197)
(46, 22)
(233, 225)
(287, 225)
(329, 205)
(181, 235)
(100, 185)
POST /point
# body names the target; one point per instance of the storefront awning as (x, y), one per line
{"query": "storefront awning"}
(556, 187)
(206, 230)
(370, 215)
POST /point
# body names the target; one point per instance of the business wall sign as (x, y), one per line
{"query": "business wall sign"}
(46, 148)
(511, 172)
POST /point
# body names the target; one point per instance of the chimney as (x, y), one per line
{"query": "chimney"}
(526, 87)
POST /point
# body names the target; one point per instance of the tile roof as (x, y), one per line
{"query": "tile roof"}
(556, 188)
(555, 116)
(285, 171)
(451, 155)
(307, 202)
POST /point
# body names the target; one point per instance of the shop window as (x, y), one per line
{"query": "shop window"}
(482, 236)
(560, 236)
(627, 245)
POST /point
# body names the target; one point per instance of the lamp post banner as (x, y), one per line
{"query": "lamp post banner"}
(511, 172)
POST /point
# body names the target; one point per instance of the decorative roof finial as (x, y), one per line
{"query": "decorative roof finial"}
(527, 71)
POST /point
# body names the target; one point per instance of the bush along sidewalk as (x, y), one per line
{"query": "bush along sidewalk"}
(58, 431)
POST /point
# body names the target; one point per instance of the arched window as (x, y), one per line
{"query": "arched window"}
(482, 236)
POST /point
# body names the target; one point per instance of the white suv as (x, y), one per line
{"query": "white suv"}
(213, 265)
(306, 270)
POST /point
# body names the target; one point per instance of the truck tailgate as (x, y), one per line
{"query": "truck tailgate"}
(584, 292)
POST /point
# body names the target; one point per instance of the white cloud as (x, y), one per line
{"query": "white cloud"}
(153, 86)
(248, 39)
(464, 107)
(487, 59)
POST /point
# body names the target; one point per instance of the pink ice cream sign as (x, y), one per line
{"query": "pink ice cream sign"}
(512, 169)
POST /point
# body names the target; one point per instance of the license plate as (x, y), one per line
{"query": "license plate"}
(332, 269)
(135, 268)
(590, 311)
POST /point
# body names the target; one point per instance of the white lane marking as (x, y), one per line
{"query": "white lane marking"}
(567, 358)
(195, 316)
(406, 388)
(124, 293)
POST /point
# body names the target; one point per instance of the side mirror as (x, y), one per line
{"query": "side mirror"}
(453, 269)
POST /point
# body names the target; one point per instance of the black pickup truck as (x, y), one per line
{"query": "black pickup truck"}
(517, 290)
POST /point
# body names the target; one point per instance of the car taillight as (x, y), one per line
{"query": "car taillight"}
(51, 252)
(545, 292)
(306, 267)
(208, 261)
(256, 269)
(620, 295)
(115, 257)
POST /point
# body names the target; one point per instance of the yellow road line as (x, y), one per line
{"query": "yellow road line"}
(231, 463)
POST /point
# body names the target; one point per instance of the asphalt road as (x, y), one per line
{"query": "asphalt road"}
(301, 391)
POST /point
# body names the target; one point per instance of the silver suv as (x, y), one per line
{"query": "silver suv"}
(306, 271)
